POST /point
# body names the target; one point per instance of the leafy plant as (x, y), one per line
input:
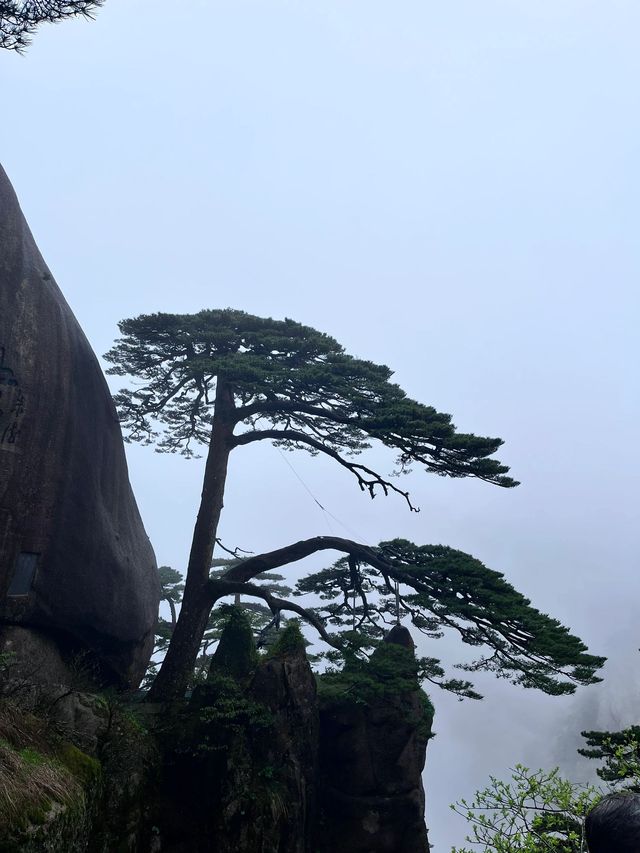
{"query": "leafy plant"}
(536, 811)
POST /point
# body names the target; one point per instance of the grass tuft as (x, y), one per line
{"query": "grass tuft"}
(29, 784)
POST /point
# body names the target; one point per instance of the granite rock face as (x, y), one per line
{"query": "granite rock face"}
(286, 686)
(241, 774)
(266, 761)
(75, 561)
(372, 754)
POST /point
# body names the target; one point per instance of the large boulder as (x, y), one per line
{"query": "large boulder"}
(75, 561)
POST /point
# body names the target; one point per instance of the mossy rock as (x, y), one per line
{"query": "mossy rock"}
(130, 762)
(291, 641)
(236, 654)
(390, 672)
(48, 808)
(85, 768)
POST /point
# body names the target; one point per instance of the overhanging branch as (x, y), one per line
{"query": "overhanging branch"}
(513, 649)
(18, 20)
(253, 566)
(367, 478)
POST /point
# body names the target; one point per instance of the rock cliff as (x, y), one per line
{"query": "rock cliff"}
(263, 761)
(372, 750)
(75, 562)
(259, 759)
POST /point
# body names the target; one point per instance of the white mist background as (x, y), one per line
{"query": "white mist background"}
(448, 188)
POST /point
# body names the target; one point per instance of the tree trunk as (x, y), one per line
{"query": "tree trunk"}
(174, 617)
(177, 666)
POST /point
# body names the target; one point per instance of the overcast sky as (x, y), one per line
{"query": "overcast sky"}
(450, 188)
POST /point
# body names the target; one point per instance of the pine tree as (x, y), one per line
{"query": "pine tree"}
(620, 753)
(264, 624)
(224, 379)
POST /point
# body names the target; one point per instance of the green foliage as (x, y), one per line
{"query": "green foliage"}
(236, 655)
(32, 756)
(171, 586)
(225, 714)
(289, 641)
(389, 675)
(259, 614)
(389, 671)
(34, 789)
(439, 588)
(171, 589)
(259, 379)
(7, 660)
(620, 752)
(84, 767)
(234, 742)
(535, 812)
(291, 384)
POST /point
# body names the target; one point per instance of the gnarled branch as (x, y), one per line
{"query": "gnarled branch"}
(217, 588)
(367, 478)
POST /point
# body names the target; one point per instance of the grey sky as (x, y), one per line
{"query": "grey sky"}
(450, 188)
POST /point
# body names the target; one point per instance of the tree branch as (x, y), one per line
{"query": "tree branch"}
(235, 552)
(18, 20)
(253, 566)
(217, 588)
(367, 478)
(264, 408)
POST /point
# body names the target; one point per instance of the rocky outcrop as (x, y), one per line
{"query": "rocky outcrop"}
(242, 769)
(64, 792)
(372, 753)
(286, 686)
(263, 761)
(75, 561)
(258, 760)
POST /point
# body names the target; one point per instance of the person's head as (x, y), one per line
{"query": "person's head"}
(613, 825)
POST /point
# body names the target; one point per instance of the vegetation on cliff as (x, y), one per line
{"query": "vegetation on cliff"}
(539, 811)
(47, 785)
(76, 768)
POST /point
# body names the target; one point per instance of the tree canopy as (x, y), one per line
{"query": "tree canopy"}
(19, 20)
(290, 384)
(434, 587)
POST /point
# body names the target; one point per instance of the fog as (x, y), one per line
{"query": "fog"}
(448, 188)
